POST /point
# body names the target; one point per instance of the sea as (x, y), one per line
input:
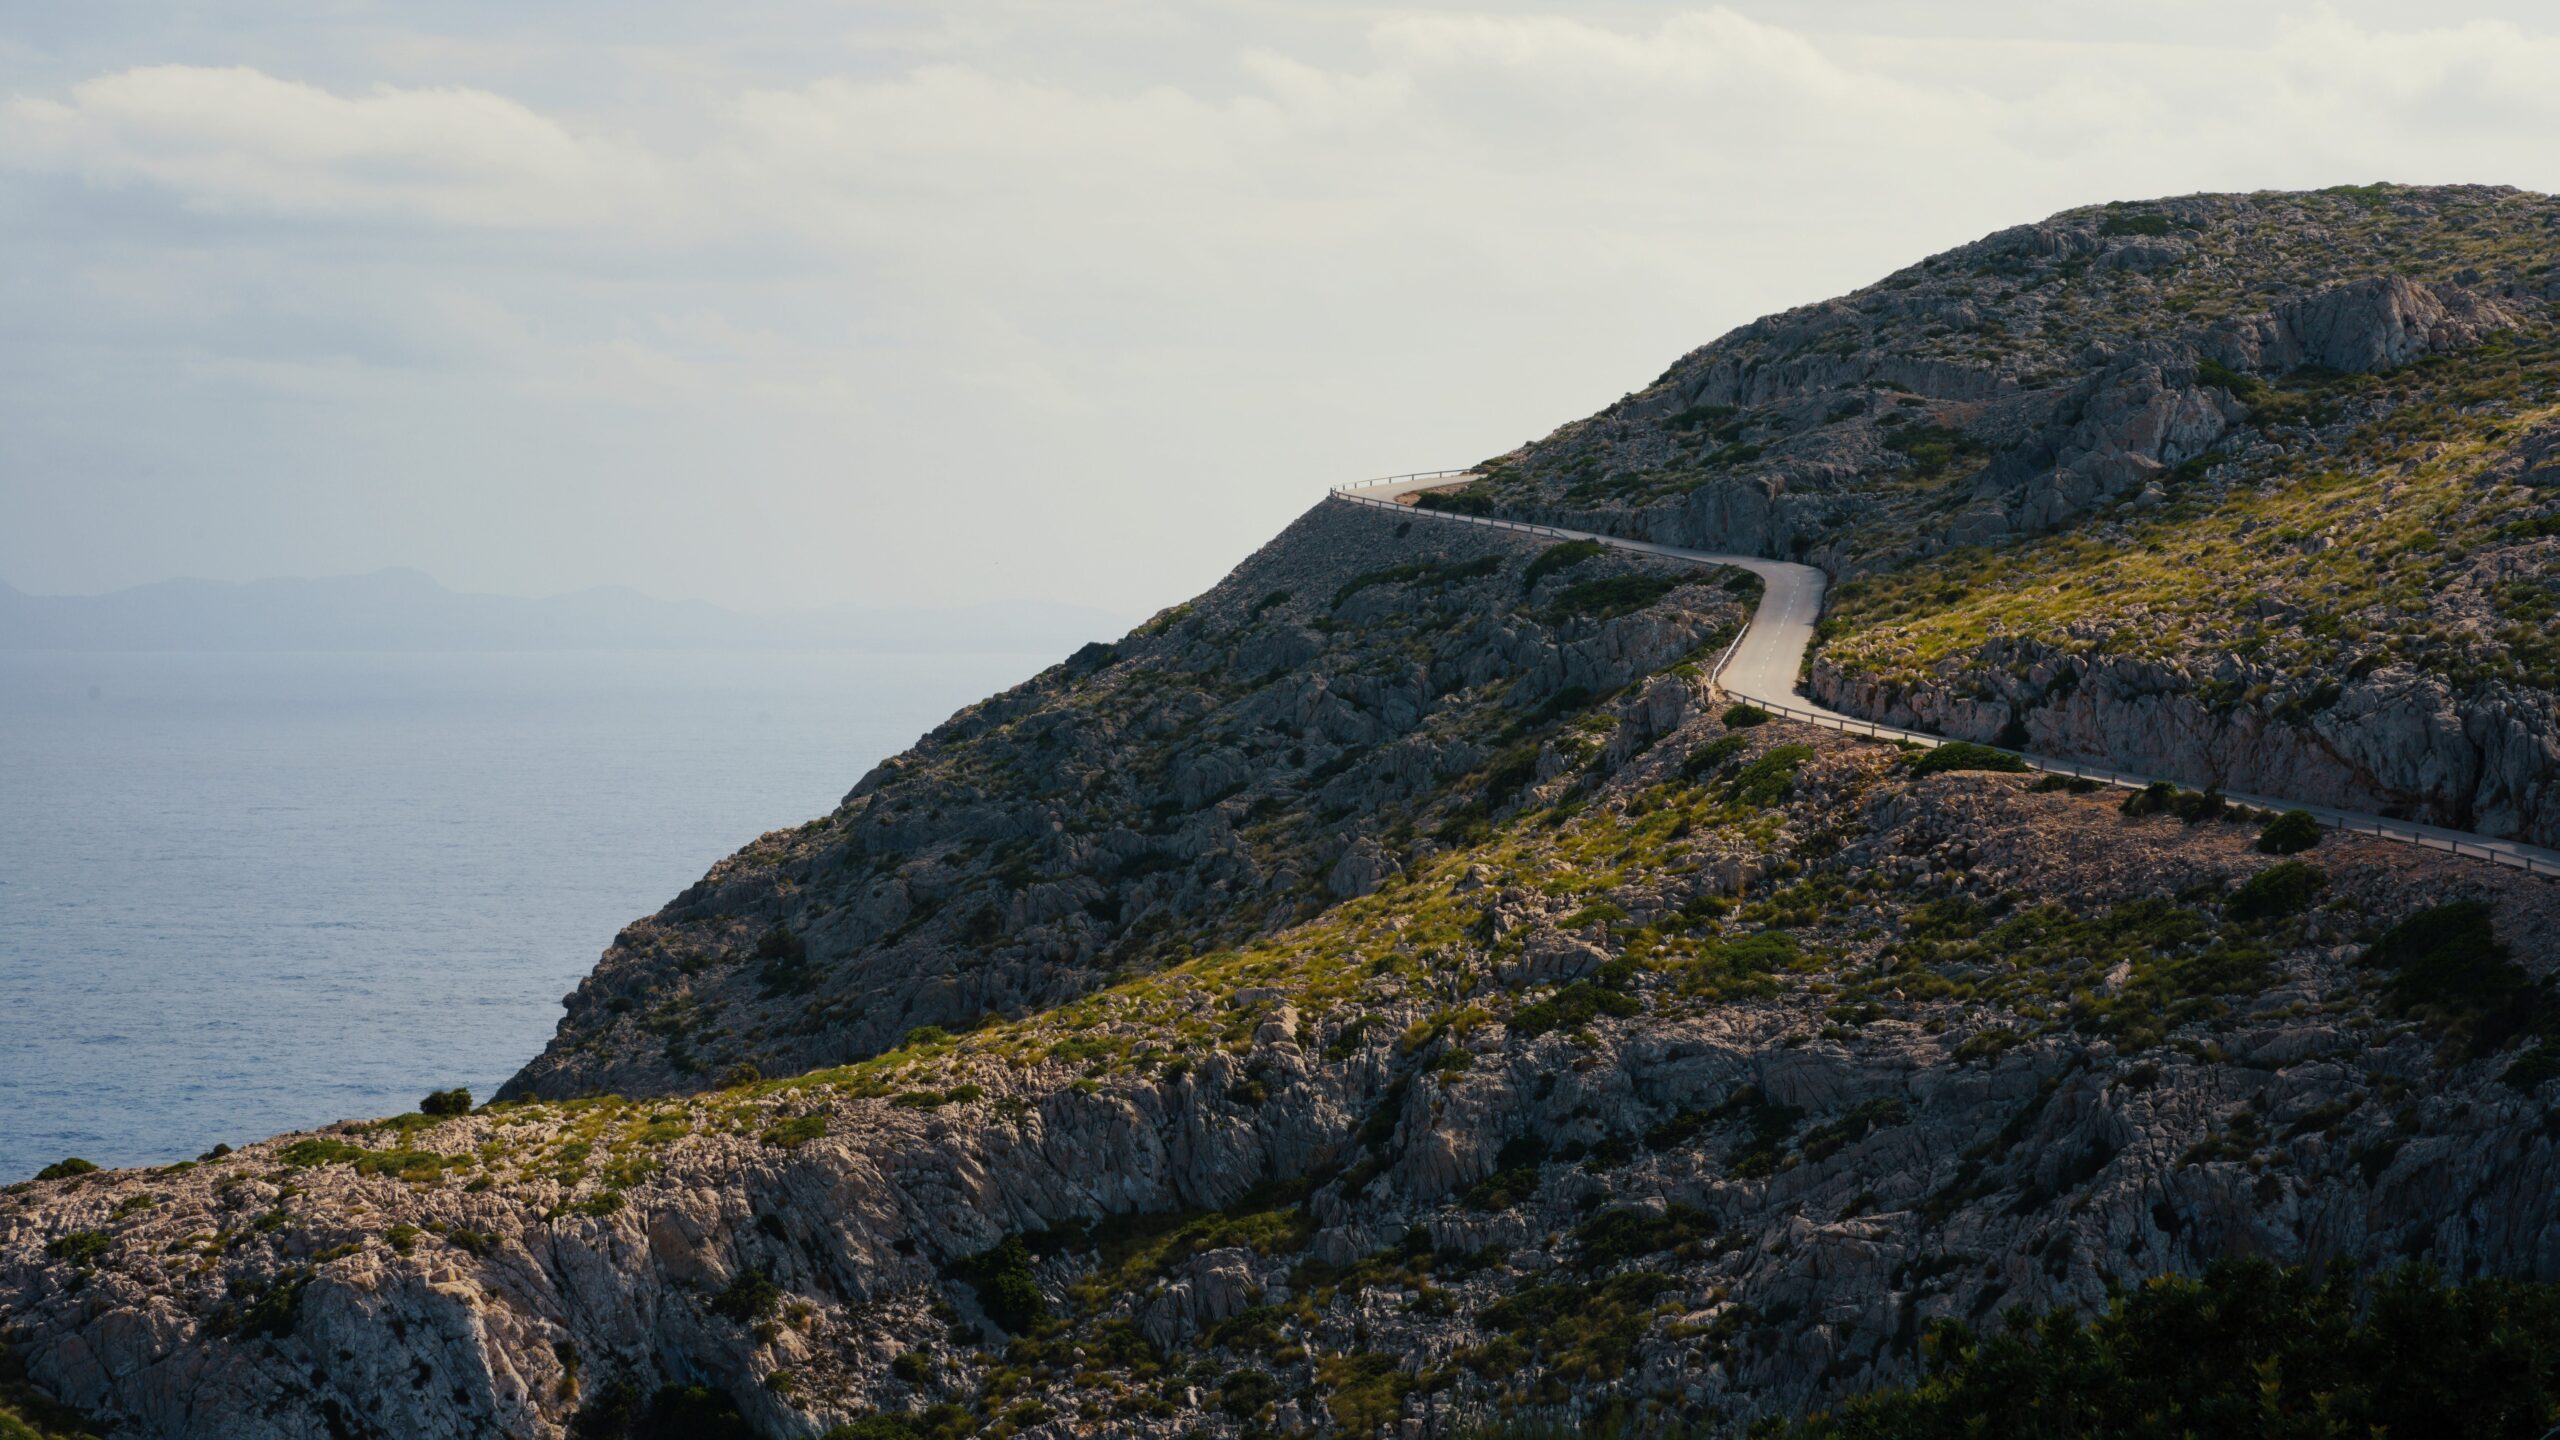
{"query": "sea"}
(250, 893)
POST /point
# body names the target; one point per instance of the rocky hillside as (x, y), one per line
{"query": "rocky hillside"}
(2255, 490)
(1393, 994)
(1350, 699)
(1701, 1086)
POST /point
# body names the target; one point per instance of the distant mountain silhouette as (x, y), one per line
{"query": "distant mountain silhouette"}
(409, 610)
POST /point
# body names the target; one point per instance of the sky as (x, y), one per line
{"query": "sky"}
(777, 303)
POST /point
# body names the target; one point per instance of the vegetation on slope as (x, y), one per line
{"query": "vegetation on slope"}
(2245, 1350)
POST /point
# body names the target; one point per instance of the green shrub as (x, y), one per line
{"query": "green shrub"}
(1613, 1237)
(1454, 502)
(1770, 779)
(83, 1248)
(1740, 969)
(2247, 1350)
(1710, 757)
(2151, 223)
(1935, 450)
(749, 1296)
(1743, 716)
(2162, 798)
(934, 1422)
(269, 1311)
(456, 1101)
(2290, 833)
(2194, 805)
(1243, 1393)
(2279, 890)
(418, 1166)
(798, 1130)
(1007, 1289)
(1560, 557)
(64, 1169)
(1575, 1005)
(1965, 755)
(1607, 599)
(674, 1412)
(2448, 968)
(1429, 574)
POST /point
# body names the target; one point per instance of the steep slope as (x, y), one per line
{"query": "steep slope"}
(2252, 490)
(1394, 993)
(1703, 1085)
(1288, 739)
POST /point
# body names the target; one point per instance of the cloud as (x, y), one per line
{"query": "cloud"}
(237, 139)
(1039, 269)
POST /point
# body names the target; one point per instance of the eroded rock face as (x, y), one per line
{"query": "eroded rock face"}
(1386, 969)
(1225, 769)
(2393, 742)
(2380, 323)
(1802, 1192)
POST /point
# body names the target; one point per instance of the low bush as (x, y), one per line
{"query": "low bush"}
(1711, 757)
(1770, 779)
(1575, 1005)
(2448, 968)
(456, 1101)
(84, 1248)
(794, 1132)
(2290, 833)
(1613, 1237)
(1965, 755)
(1607, 599)
(749, 1296)
(1454, 502)
(64, 1169)
(1744, 716)
(2246, 1350)
(2162, 798)
(674, 1412)
(1562, 556)
(1007, 1289)
(2279, 890)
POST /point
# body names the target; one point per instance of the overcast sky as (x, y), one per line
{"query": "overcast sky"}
(774, 302)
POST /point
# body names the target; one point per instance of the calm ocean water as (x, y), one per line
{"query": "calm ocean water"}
(249, 893)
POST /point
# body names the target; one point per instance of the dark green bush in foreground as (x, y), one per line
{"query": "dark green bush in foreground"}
(1965, 755)
(2279, 890)
(2290, 833)
(2248, 1351)
(1007, 1289)
(456, 1101)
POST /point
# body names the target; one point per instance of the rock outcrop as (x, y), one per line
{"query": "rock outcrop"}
(1382, 997)
(1735, 1184)
(1228, 768)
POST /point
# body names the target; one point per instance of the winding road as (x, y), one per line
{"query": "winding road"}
(1764, 661)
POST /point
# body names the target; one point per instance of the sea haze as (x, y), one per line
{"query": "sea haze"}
(411, 610)
(246, 893)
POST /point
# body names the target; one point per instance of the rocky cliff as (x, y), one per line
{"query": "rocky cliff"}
(1285, 741)
(2252, 490)
(1392, 994)
(1703, 1088)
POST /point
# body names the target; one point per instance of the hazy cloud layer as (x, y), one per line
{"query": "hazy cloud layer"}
(820, 303)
